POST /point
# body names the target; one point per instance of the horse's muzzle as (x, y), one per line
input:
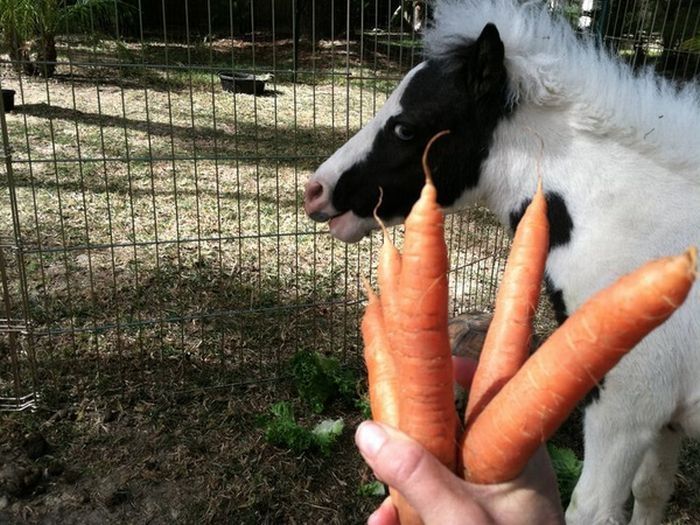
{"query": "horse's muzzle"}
(317, 202)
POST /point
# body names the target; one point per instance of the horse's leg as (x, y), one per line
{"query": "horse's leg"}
(614, 445)
(653, 484)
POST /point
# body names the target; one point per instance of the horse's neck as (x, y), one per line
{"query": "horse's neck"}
(620, 188)
(542, 142)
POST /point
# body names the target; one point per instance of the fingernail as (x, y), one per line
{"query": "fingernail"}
(369, 438)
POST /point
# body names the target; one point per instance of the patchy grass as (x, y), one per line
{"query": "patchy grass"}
(160, 453)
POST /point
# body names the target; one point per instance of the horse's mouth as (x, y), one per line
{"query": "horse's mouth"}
(345, 226)
(348, 227)
(321, 216)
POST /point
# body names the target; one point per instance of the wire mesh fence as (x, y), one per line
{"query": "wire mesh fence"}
(152, 216)
(151, 209)
(658, 34)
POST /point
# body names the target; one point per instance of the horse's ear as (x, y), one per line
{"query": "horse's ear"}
(490, 70)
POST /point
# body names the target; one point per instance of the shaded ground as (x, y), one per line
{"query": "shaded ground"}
(190, 447)
(158, 455)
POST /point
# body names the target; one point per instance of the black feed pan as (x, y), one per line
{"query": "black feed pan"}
(243, 83)
(8, 99)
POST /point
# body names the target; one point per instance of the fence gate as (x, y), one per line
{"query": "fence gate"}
(151, 213)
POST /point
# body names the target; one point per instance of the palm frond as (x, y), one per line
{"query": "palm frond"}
(85, 15)
(17, 19)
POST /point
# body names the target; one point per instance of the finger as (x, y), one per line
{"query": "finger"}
(421, 479)
(464, 369)
(385, 514)
(535, 488)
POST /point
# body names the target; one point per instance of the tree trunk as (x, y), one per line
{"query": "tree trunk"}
(19, 54)
(46, 55)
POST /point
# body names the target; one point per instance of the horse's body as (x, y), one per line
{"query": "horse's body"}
(620, 159)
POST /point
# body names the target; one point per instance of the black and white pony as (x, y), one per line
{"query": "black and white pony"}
(621, 169)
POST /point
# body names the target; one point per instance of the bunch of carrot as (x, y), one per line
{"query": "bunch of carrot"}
(516, 401)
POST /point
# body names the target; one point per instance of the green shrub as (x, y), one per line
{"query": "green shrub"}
(567, 467)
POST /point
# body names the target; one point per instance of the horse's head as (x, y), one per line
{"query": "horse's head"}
(463, 90)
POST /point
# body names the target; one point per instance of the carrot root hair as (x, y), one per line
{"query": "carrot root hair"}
(424, 159)
(375, 214)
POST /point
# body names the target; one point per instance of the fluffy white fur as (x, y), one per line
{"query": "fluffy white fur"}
(548, 65)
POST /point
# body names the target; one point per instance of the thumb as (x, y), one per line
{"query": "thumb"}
(426, 484)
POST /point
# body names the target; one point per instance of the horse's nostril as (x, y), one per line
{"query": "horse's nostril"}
(313, 191)
(316, 203)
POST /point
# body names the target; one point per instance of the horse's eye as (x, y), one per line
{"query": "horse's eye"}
(403, 132)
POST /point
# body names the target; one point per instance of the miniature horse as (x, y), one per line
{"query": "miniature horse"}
(620, 158)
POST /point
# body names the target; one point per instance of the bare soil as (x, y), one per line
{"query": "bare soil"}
(165, 455)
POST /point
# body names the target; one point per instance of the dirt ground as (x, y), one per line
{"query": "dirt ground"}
(175, 456)
(191, 448)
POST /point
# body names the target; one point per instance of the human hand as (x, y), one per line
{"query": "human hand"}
(441, 497)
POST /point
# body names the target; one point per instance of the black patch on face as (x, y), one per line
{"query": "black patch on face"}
(560, 222)
(465, 93)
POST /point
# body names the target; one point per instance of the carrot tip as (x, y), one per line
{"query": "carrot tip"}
(385, 231)
(538, 160)
(692, 254)
(426, 168)
(375, 211)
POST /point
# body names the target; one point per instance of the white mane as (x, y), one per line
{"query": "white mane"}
(548, 65)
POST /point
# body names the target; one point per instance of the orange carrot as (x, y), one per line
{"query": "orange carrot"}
(507, 342)
(532, 405)
(421, 344)
(414, 308)
(388, 273)
(382, 377)
(379, 359)
(381, 370)
(408, 352)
